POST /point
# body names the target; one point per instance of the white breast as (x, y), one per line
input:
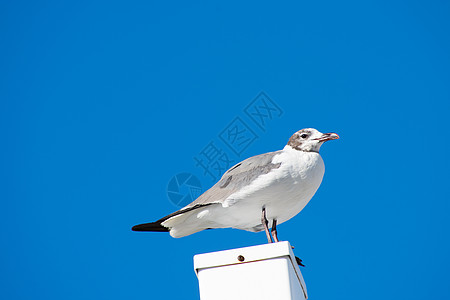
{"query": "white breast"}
(284, 192)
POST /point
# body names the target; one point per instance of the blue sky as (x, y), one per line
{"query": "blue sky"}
(103, 102)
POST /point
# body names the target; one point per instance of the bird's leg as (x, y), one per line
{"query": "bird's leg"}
(265, 224)
(274, 230)
(275, 238)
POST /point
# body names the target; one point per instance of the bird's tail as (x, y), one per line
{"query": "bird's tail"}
(176, 223)
(154, 226)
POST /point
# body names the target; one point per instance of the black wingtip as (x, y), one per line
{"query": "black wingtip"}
(154, 226)
(157, 227)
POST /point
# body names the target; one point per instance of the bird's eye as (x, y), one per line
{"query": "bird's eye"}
(304, 136)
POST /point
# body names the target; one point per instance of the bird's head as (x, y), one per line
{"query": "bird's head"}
(310, 139)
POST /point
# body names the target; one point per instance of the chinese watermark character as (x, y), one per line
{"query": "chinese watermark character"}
(262, 109)
(238, 136)
(215, 158)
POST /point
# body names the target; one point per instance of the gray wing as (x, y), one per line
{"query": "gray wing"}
(236, 177)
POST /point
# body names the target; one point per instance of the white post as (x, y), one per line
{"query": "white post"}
(261, 272)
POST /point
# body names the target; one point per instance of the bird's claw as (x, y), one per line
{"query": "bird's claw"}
(299, 261)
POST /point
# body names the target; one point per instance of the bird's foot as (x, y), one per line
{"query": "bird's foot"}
(299, 262)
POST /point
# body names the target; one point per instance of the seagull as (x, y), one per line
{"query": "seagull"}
(257, 193)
